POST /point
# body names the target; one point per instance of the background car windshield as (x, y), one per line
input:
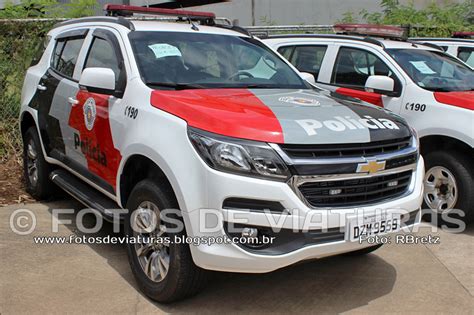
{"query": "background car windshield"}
(209, 61)
(434, 71)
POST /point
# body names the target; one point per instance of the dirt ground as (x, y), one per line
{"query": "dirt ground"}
(12, 188)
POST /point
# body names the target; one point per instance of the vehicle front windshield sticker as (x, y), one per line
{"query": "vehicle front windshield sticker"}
(422, 67)
(165, 50)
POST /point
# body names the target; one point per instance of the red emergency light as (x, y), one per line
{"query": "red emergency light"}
(129, 10)
(463, 35)
(384, 31)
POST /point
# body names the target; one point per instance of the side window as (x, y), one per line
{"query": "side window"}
(466, 54)
(102, 55)
(354, 66)
(65, 55)
(308, 58)
(286, 51)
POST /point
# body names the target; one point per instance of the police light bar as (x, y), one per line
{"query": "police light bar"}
(129, 10)
(463, 35)
(385, 31)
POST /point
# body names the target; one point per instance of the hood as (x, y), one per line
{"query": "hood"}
(463, 99)
(281, 116)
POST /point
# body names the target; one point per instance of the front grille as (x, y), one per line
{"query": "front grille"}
(356, 191)
(402, 161)
(309, 151)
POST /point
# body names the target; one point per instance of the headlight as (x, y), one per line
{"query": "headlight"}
(237, 156)
(414, 133)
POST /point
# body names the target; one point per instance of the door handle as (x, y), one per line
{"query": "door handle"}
(72, 101)
(41, 87)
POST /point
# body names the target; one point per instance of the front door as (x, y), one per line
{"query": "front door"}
(352, 68)
(92, 140)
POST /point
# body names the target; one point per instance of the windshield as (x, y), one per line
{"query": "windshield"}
(434, 71)
(172, 60)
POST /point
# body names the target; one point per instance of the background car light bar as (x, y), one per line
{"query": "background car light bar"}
(370, 29)
(129, 10)
(463, 35)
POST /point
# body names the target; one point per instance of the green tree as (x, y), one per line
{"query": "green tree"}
(434, 20)
(27, 9)
(48, 8)
(79, 8)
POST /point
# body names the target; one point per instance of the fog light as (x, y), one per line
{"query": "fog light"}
(249, 232)
(392, 184)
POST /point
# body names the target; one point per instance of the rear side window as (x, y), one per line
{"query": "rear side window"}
(102, 55)
(354, 66)
(286, 51)
(308, 58)
(466, 54)
(65, 55)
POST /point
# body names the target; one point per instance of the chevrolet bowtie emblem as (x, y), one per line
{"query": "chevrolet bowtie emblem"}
(371, 167)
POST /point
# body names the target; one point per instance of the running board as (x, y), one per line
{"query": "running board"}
(85, 194)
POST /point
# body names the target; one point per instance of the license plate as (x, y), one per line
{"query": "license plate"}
(373, 225)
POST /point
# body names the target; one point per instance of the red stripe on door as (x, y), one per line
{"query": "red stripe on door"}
(373, 98)
(230, 112)
(96, 145)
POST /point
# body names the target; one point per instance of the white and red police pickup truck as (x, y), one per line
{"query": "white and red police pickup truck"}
(433, 91)
(152, 116)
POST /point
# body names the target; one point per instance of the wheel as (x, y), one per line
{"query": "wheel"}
(364, 251)
(35, 168)
(165, 272)
(448, 185)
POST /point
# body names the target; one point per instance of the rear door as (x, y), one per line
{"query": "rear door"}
(51, 100)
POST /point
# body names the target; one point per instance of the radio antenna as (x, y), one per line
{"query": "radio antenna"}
(193, 26)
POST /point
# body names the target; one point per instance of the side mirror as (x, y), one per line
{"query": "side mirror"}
(308, 77)
(98, 80)
(380, 84)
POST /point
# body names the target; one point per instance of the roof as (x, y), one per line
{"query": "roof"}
(151, 24)
(444, 40)
(143, 25)
(375, 41)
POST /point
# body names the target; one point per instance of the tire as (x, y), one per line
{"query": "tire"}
(364, 251)
(461, 169)
(39, 186)
(183, 277)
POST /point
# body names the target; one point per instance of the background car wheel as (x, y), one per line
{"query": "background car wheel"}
(164, 272)
(364, 251)
(448, 185)
(35, 168)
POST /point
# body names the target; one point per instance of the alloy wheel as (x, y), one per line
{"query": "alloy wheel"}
(152, 251)
(32, 163)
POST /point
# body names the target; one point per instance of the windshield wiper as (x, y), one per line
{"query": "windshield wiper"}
(176, 86)
(259, 86)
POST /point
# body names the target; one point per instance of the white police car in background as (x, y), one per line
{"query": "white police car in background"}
(429, 88)
(460, 46)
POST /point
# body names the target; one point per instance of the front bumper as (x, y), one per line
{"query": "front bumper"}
(235, 258)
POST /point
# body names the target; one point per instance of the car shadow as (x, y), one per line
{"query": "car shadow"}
(469, 230)
(330, 285)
